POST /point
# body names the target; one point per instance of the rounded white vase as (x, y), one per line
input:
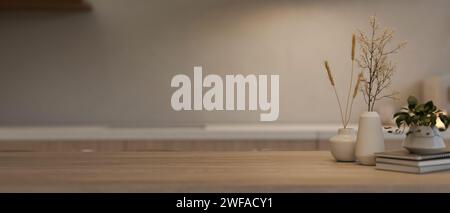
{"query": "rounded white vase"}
(343, 145)
(370, 138)
(424, 140)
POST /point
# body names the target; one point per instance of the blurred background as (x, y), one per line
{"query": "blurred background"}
(111, 63)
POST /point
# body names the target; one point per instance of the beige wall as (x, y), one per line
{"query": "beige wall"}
(113, 66)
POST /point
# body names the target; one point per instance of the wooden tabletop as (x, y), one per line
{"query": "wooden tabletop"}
(280, 171)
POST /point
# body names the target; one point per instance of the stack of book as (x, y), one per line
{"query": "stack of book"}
(403, 161)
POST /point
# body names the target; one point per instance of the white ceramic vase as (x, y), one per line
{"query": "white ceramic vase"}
(343, 145)
(424, 140)
(370, 138)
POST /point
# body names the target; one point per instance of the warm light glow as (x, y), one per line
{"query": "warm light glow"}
(439, 123)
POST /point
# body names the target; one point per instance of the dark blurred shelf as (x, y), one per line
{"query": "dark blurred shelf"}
(49, 5)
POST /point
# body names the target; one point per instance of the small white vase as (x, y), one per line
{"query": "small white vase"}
(343, 144)
(424, 140)
(370, 139)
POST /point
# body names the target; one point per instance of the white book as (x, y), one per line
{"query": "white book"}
(404, 154)
(434, 162)
(412, 169)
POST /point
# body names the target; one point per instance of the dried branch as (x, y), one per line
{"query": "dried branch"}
(374, 60)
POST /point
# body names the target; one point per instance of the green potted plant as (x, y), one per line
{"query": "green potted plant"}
(423, 134)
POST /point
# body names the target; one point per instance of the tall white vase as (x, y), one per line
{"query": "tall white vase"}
(370, 139)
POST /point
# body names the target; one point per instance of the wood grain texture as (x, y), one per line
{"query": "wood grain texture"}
(170, 145)
(156, 145)
(270, 171)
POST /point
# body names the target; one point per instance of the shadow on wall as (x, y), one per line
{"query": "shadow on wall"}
(113, 66)
(51, 69)
(87, 68)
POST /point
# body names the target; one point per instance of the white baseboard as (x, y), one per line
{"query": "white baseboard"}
(212, 131)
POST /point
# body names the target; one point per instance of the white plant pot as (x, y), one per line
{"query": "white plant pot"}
(424, 140)
(370, 138)
(343, 145)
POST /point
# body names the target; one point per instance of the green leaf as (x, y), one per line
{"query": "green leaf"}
(433, 120)
(428, 107)
(425, 120)
(400, 113)
(412, 102)
(402, 119)
(399, 121)
(420, 108)
(442, 117)
(445, 119)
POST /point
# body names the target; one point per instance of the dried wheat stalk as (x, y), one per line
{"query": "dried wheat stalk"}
(347, 110)
(355, 93)
(345, 117)
(330, 77)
